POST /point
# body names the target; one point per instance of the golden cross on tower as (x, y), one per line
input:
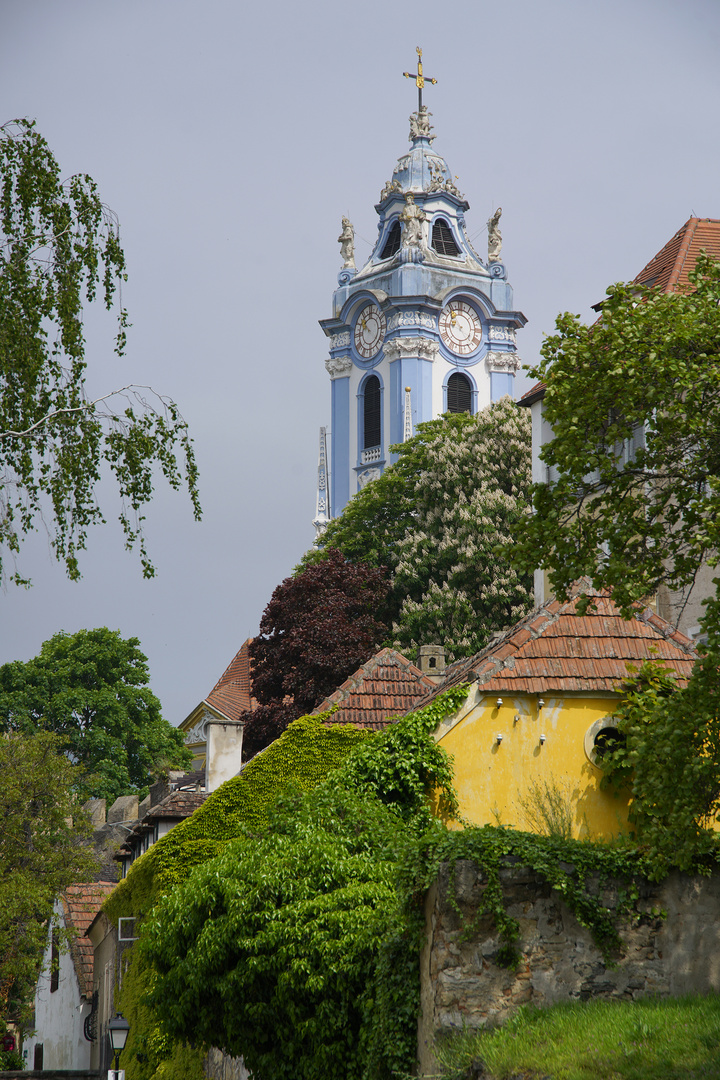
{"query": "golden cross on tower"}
(419, 78)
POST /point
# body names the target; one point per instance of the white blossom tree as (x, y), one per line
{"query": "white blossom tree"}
(439, 518)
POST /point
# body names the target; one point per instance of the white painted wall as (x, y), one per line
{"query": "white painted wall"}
(59, 1016)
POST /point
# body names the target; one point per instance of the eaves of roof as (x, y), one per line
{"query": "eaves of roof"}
(81, 904)
(555, 650)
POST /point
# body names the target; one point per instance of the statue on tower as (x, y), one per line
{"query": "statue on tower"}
(346, 240)
(420, 126)
(494, 237)
(413, 219)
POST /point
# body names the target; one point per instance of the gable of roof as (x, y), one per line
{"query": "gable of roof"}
(230, 696)
(232, 693)
(81, 904)
(387, 686)
(669, 269)
(555, 650)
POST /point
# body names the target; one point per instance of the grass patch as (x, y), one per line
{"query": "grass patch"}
(676, 1039)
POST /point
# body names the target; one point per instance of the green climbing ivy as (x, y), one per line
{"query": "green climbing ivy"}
(294, 899)
(303, 755)
(284, 922)
(576, 869)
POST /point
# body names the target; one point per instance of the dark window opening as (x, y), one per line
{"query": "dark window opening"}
(90, 1023)
(392, 244)
(371, 413)
(442, 238)
(54, 962)
(38, 1057)
(607, 740)
(459, 393)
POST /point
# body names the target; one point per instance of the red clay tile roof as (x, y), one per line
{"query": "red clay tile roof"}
(668, 270)
(387, 686)
(555, 650)
(232, 692)
(81, 904)
(531, 396)
(176, 806)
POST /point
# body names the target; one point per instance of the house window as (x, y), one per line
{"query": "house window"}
(38, 1057)
(371, 413)
(54, 961)
(442, 238)
(392, 244)
(459, 393)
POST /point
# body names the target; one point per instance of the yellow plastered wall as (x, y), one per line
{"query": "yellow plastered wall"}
(492, 776)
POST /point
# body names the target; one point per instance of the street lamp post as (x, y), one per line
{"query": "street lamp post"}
(117, 1032)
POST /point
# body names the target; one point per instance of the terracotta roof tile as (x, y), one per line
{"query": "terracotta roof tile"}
(669, 269)
(81, 904)
(555, 649)
(232, 693)
(387, 686)
(531, 396)
(176, 806)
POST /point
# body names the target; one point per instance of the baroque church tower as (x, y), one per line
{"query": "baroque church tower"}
(425, 327)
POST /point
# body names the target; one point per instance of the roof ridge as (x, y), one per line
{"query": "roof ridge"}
(588, 651)
(385, 655)
(689, 229)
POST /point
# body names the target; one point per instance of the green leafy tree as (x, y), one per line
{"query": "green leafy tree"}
(43, 849)
(58, 246)
(634, 405)
(669, 758)
(436, 519)
(91, 690)
(634, 503)
(289, 948)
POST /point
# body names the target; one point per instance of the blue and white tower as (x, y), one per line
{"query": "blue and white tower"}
(425, 327)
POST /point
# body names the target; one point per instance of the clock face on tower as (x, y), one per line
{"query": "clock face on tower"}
(369, 331)
(460, 327)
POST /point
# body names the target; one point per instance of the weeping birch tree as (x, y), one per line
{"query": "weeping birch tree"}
(60, 250)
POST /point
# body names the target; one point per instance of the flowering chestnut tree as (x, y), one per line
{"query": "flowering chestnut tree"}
(443, 520)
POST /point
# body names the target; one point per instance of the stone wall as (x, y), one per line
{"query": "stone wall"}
(219, 1066)
(462, 985)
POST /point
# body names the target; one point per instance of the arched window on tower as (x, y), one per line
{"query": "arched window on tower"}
(442, 238)
(371, 413)
(459, 393)
(392, 244)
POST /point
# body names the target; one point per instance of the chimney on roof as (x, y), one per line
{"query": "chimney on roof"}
(431, 661)
(224, 752)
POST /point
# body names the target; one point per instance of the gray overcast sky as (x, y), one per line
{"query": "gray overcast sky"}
(230, 138)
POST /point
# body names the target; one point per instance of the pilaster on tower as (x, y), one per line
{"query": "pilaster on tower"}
(322, 503)
(426, 319)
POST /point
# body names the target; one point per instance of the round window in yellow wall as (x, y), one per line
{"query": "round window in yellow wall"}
(600, 737)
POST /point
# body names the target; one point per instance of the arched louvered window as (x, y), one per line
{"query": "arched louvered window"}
(459, 393)
(371, 413)
(392, 244)
(442, 238)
